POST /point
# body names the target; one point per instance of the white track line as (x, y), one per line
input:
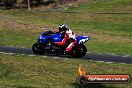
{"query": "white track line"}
(122, 63)
(23, 54)
(88, 52)
(91, 60)
(31, 55)
(126, 56)
(7, 53)
(109, 62)
(104, 62)
(100, 61)
(55, 57)
(112, 54)
(99, 53)
(44, 56)
(65, 58)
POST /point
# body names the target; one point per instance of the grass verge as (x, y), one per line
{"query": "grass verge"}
(46, 72)
(103, 6)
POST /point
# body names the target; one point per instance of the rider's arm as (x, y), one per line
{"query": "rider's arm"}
(63, 41)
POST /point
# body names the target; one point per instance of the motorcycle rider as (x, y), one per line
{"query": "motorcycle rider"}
(67, 34)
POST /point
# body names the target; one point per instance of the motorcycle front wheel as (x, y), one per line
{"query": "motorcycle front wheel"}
(37, 48)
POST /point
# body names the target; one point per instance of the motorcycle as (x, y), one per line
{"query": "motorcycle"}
(46, 45)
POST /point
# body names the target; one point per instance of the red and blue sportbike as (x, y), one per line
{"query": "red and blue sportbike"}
(46, 44)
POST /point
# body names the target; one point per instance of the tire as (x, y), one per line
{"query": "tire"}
(37, 49)
(78, 51)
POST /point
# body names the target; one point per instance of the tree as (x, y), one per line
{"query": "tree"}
(29, 7)
(8, 3)
(51, 1)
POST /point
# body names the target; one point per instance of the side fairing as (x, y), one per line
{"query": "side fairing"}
(57, 38)
(82, 39)
(43, 39)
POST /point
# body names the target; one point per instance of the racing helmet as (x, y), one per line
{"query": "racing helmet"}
(63, 28)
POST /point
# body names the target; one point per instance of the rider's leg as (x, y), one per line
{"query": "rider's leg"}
(71, 45)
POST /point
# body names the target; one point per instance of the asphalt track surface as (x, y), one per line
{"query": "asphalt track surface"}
(109, 58)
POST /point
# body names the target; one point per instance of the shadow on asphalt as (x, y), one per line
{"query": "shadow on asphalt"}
(63, 56)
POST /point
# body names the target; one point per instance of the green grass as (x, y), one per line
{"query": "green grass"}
(10, 38)
(103, 6)
(114, 48)
(39, 72)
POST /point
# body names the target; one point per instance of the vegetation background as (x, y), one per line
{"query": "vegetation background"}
(108, 22)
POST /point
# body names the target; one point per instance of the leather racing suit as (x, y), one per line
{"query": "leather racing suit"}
(68, 35)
